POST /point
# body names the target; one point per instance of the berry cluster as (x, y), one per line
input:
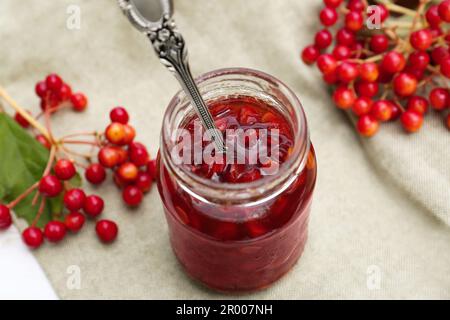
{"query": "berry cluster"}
(114, 148)
(132, 168)
(53, 92)
(394, 72)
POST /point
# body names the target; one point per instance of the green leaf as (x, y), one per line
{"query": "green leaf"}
(22, 163)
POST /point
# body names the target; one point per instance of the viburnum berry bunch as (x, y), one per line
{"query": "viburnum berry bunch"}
(387, 72)
(45, 187)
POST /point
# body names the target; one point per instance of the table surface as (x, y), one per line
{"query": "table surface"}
(20, 274)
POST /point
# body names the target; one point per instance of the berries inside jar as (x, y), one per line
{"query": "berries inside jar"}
(224, 214)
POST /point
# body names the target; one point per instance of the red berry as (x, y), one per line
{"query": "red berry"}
(439, 98)
(21, 120)
(323, 39)
(432, 16)
(130, 134)
(355, 5)
(421, 39)
(43, 141)
(74, 221)
(55, 231)
(151, 168)
(33, 237)
(5, 217)
(119, 114)
(362, 106)
(120, 183)
(367, 125)
(326, 63)
(396, 111)
(332, 3)
(64, 169)
(128, 172)
(79, 101)
(344, 98)
(418, 104)
(95, 173)
(65, 92)
(447, 121)
(74, 199)
(366, 89)
(379, 43)
(438, 54)
(108, 157)
(383, 11)
(132, 196)
(393, 62)
(50, 186)
(144, 182)
(347, 72)
(369, 71)
(53, 82)
(382, 110)
(419, 60)
(138, 154)
(411, 120)
(115, 133)
(354, 21)
(41, 89)
(93, 205)
(444, 10)
(310, 54)
(445, 67)
(328, 16)
(345, 37)
(330, 78)
(106, 230)
(404, 84)
(341, 52)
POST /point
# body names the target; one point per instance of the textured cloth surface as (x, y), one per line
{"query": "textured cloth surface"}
(380, 208)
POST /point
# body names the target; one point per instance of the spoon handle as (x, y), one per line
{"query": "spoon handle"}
(171, 49)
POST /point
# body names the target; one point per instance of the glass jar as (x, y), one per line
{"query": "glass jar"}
(272, 212)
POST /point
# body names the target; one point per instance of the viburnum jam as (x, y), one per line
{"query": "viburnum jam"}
(238, 222)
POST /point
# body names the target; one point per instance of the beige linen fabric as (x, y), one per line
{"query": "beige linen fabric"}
(380, 206)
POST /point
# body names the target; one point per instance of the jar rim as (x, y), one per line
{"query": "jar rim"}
(206, 189)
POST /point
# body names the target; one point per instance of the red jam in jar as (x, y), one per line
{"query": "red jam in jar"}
(241, 223)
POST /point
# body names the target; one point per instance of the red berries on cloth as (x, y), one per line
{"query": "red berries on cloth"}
(55, 231)
(106, 230)
(386, 73)
(74, 199)
(74, 221)
(95, 173)
(93, 205)
(60, 202)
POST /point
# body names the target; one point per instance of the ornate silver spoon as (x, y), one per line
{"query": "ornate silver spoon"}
(170, 47)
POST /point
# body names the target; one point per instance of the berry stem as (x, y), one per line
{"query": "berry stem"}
(397, 8)
(24, 114)
(80, 134)
(25, 194)
(63, 141)
(39, 213)
(50, 161)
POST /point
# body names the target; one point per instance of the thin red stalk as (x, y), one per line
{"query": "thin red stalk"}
(80, 134)
(40, 211)
(50, 161)
(15, 202)
(79, 142)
